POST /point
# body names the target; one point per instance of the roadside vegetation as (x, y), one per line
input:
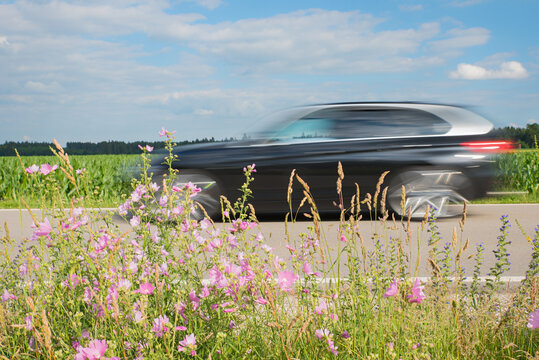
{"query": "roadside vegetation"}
(174, 287)
(109, 177)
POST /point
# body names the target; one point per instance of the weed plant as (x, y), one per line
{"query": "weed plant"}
(173, 287)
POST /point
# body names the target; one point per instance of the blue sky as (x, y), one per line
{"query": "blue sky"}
(121, 69)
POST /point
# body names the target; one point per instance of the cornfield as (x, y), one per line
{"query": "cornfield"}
(520, 170)
(105, 177)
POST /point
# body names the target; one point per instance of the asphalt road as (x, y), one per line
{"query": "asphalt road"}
(481, 226)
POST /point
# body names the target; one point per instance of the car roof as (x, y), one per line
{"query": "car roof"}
(462, 120)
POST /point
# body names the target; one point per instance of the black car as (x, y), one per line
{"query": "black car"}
(438, 152)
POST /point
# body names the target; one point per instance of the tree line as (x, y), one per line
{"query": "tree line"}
(526, 137)
(25, 148)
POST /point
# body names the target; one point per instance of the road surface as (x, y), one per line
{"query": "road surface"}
(481, 226)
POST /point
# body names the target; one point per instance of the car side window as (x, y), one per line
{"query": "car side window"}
(305, 129)
(382, 122)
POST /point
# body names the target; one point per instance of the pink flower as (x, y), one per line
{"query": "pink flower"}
(29, 324)
(286, 280)
(159, 327)
(261, 301)
(145, 289)
(417, 293)
(80, 171)
(46, 169)
(393, 289)
(188, 344)
(6, 296)
(321, 308)
(321, 333)
(533, 320)
(32, 169)
(165, 132)
(135, 221)
(95, 350)
(42, 229)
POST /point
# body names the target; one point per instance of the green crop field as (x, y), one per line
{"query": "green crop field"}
(106, 177)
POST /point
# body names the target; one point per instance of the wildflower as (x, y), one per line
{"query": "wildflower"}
(6, 296)
(159, 327)
(286, 280)
(345, 335)
(417, 293)
(95, 350)
(188, 344)
(145, 289)
(261, 301)
(29, 324)
(321, 333)
(80, 171)
(135, 221)
(393, 289)
(343, 238)
(32, 169)
(42, 229)
(533, 320)
(46, 169)
(321, 308)
(165, 132)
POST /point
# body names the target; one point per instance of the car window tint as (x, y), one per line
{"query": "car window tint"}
(305, 129)
(363, 123)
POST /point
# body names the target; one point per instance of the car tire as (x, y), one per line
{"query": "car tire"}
(441, 190)
(208, 197)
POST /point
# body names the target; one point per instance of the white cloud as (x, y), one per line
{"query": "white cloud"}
(462, 38)
(417, 7)
(464, 3)
(507, 70)
(210, 4)
(39, 87)
(204, 112)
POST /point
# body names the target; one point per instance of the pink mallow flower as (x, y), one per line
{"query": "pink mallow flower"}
(417, 293)
(32, 169)
(533, 320)
(42, 229)
(188, 344)
(286, 280)
(159, 327)
(145, 289)
(6, 296)
(165, 132)
(46, 169)
(96, 350)
(393, 289)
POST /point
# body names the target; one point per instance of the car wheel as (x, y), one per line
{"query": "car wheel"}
(441, 190)
(208, 197)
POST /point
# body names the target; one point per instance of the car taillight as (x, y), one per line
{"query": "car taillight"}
(489, 146)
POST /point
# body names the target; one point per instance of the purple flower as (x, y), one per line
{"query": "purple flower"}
(393, 289)
(6, 296)
(533, 320)
(188, 344)
(417, 293)
(135, 221)
(29, 324)
(321, 333)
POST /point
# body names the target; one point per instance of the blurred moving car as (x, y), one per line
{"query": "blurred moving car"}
(439, 153)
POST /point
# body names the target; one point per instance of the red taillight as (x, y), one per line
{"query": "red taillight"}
(489, 146)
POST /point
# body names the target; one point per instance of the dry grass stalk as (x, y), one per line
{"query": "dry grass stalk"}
(228, 206)
(378, 187)
(46, 333)
(252, 214)
(436, 269)
(383, 203)
(290, 187)
(303, 183)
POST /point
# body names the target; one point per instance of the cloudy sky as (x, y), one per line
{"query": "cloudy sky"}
(121, 69)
